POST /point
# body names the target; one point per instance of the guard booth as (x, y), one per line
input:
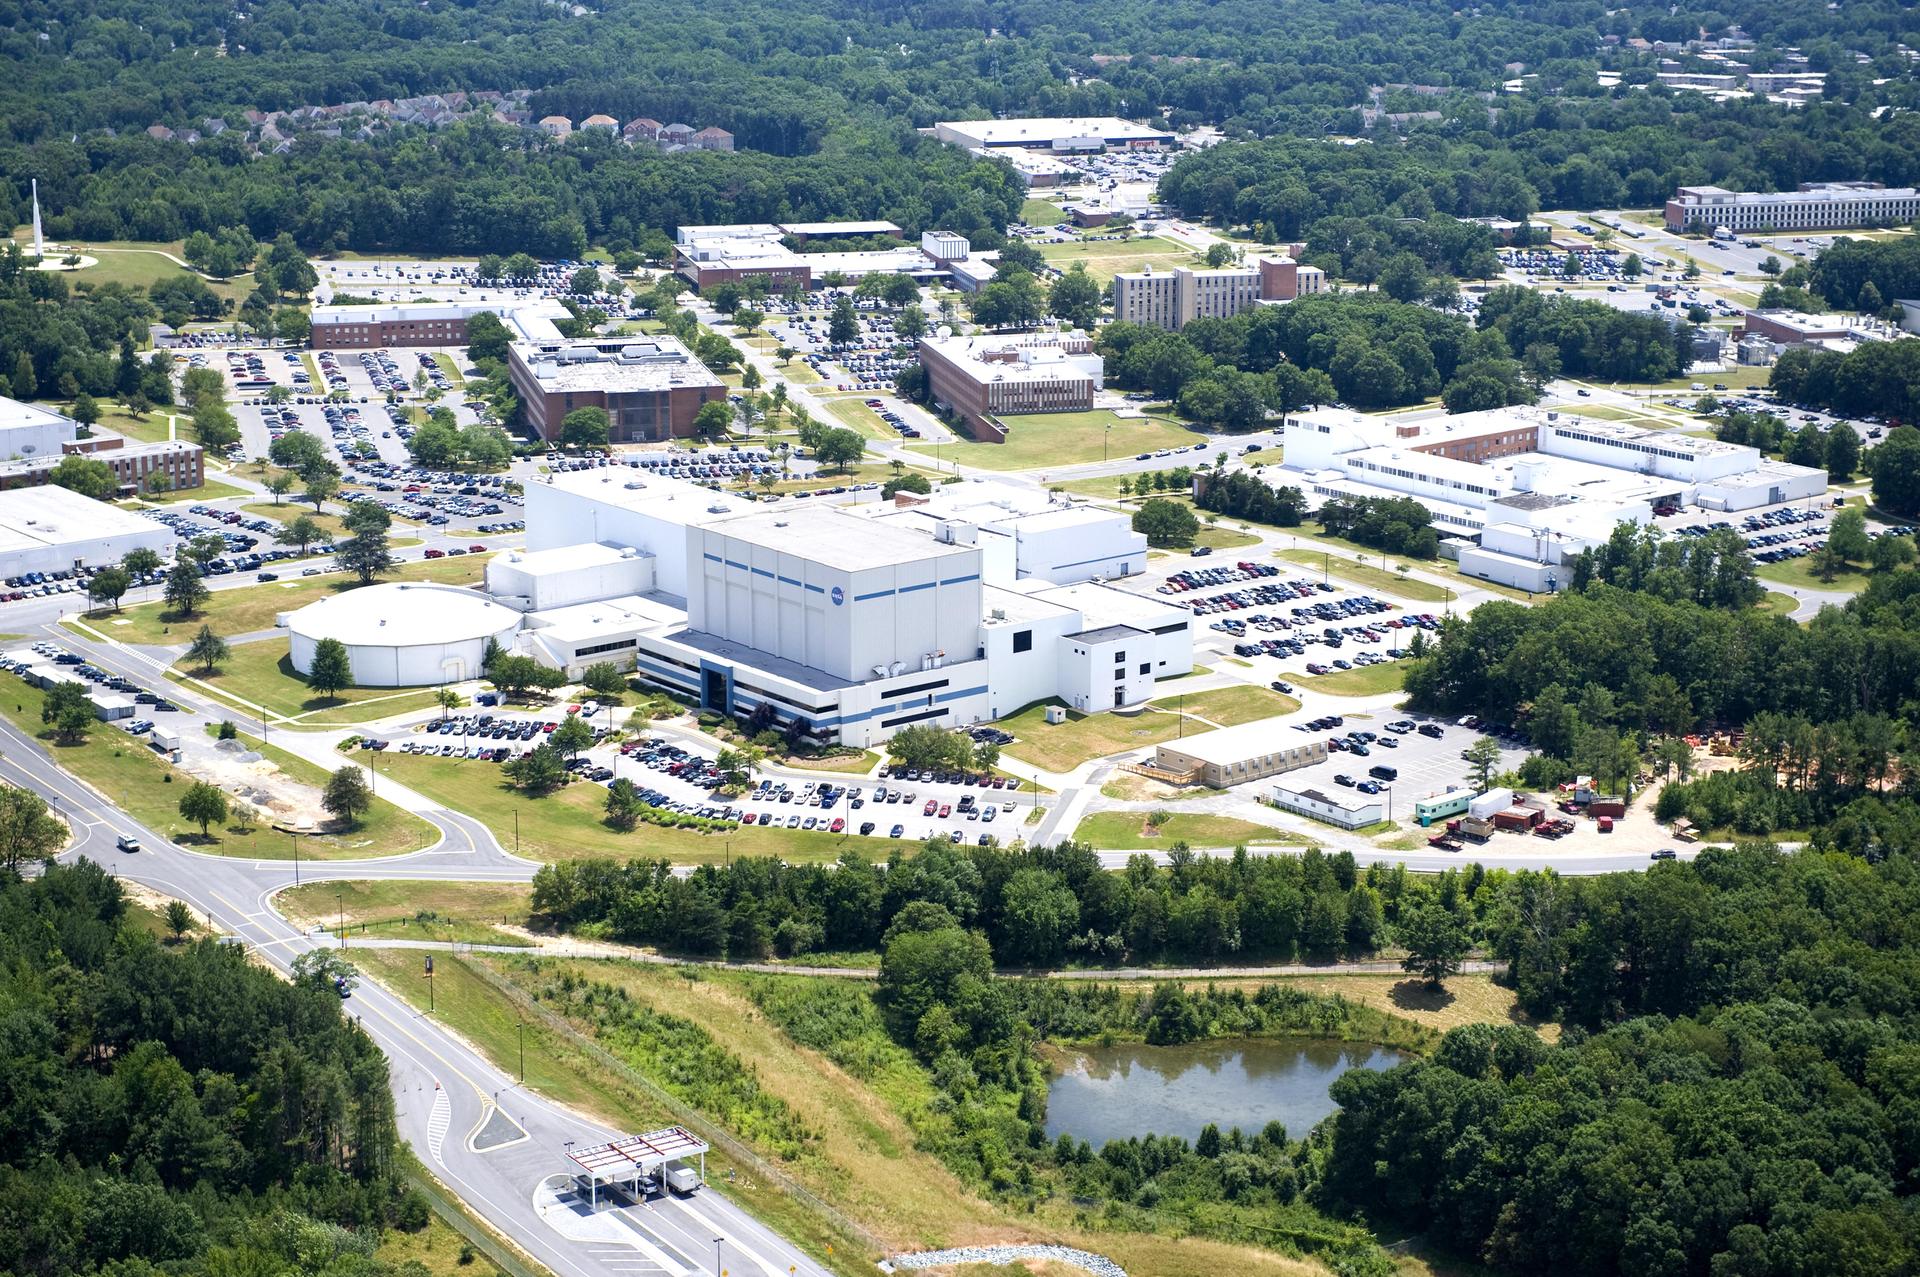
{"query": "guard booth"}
(633, 1159)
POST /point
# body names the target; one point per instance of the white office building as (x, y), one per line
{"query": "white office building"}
(853, 622)
(1530, 489)
(1816, 206)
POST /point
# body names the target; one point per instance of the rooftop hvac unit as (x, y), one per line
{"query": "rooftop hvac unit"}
(999, 614)
(879, 671)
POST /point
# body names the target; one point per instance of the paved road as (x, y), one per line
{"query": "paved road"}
(492, 1143)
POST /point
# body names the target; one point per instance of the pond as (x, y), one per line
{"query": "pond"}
(1113, 1092)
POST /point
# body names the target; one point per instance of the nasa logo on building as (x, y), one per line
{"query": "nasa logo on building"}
(839, 596)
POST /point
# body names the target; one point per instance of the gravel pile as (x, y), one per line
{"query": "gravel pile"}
(1098, 1265)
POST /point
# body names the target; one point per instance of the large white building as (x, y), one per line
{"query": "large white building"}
(29, 432)
(52, 529)
(1061, 134)
(403, 634)
(1816, 206)
(852, 622)
(1530, 488)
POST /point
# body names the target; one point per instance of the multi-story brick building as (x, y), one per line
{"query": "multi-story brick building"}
(985, 377)
(650, 388)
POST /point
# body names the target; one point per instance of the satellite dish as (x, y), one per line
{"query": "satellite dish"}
(944, 331)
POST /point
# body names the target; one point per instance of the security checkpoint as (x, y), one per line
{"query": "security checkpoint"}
(634, 1161)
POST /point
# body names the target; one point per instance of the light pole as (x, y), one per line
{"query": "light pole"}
(340, 898)
(296, 858)
(516, 831)
(716, 1257)
(523, 1051)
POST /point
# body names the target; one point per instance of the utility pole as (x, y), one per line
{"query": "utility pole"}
(429, 984)
(340, 898)
(296, 859)
(523, 1051)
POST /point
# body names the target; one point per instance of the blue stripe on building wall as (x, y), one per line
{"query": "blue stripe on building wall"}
(909, 589)
(763, 572)
(961, 580)
(877, 594)
(741, 566)
(787, 580)
(711, 558)
(816, 589)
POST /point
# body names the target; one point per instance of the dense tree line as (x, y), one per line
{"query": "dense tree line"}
(1243, 494)
(1398, 525)
(1039, 907)
(1364, 349)
(1713, 570)
(479, 188)
(1847, 268)
(57, 342)
(1549, 150)
(1874, 379)
(178, 1109)
(1554, 335)
(1757, 1112)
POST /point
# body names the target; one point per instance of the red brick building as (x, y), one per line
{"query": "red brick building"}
(650, 388)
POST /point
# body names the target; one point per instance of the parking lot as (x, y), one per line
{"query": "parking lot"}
(1424, 764)
(678, 774)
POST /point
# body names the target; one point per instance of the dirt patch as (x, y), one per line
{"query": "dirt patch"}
(255, 780)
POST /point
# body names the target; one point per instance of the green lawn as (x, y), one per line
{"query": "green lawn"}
(466, 912)
(1800, 572)
(1366, 680)
(1041, 213)
(210, 490)
(1060, 747)
(1367, 577)
(449, 367)
(1311, 534)
(147, 788)
(567, 825)
(260, 674)
(151, 428)
(254, 607)
(1067, 439)
(855, 414)
(1124, 831)
(1108, 258)
(1780, 604)
(142, 264)
(1228, 706)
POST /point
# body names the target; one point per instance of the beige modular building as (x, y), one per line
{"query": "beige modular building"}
(1235, 755)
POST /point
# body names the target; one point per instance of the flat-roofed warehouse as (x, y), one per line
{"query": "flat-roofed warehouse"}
(1234, 755)
(51, 529)
(1057, 133)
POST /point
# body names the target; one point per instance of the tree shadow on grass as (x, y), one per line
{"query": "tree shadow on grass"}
(1418, 995)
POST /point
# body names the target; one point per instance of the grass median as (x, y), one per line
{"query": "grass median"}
(1363, 680)
(1060, 747)
(465, 912)
(1126, 831)
(261, 673)
(1369, 578)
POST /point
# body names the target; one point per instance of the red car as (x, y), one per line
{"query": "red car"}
(838, 824)
(476, 549)
(748, 818)
(946, 810)
(930, 808)
(436, 554)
